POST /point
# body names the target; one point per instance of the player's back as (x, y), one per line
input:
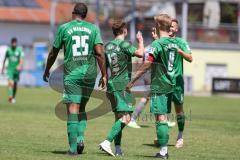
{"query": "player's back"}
(163, 71)
(118, 60)
(78, 38)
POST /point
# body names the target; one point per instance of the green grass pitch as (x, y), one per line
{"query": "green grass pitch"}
(30, 130)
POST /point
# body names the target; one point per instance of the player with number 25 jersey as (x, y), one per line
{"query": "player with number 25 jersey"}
(83, 48)
(78, 39)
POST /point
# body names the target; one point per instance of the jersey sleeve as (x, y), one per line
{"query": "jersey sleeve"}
(21, 53)
(98, 38)
(7, 53)
(185, 47)
(58, 42)
(128, 48)
(154, 49)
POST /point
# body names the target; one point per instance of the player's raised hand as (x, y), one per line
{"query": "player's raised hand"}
(154, 33)
(102, 83)
(46, 76)
(139, 36)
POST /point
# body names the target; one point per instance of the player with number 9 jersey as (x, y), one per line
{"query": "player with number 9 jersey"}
(163, 51)
(80, 68)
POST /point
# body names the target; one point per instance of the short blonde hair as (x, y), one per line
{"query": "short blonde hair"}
(163, 22)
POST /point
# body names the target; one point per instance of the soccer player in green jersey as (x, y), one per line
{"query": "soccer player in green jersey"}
(177, 96)
(144, 100)
(14, 55)
(161, 61)
(82, 47)
(118, 53)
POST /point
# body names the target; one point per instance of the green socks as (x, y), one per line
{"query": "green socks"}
(116, 129)
(162, 133)
(82, 123)
(76, 126)
(181, 122)
(118, 138)
(81, 129)
(72, 129)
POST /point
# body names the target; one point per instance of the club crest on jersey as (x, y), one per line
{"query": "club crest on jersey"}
(17, 53)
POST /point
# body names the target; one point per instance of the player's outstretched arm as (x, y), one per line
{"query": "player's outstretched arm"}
(99, 53)
(50, 61)
(186, 56)
(140, 71)
(3, 66)
(140, 51)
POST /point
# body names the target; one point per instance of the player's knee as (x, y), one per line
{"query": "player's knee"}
(10, 83)
(126, 118)
(161, 118)
(143, 100)
(73, 108)
(181, 118)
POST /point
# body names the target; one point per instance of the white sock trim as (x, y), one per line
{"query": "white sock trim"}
(163, 150)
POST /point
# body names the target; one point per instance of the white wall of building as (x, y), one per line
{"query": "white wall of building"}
(211, 63)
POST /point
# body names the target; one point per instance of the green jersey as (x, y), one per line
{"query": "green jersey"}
(13, 56)
(78, 38)
(118, 54)
(178, 63)
(163, 69)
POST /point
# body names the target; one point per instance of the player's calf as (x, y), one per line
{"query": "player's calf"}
(114, 133)
(162, 136)
(181, 124)
(10, 91)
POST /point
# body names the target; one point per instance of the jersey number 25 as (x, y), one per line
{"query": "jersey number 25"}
(80, 42)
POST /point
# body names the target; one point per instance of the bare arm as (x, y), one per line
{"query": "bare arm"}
(141, 70)
(50, 61)
(186, 56)
(99, 53)
(3, 66)
(140, 51)
(20, 65)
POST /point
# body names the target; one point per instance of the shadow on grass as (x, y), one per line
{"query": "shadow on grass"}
(145, 126)
(63, 152)
(146, 156)
(102, 153)
(59, 152)
(157, 146)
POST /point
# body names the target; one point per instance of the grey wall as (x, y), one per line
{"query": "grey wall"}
(26, 33)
